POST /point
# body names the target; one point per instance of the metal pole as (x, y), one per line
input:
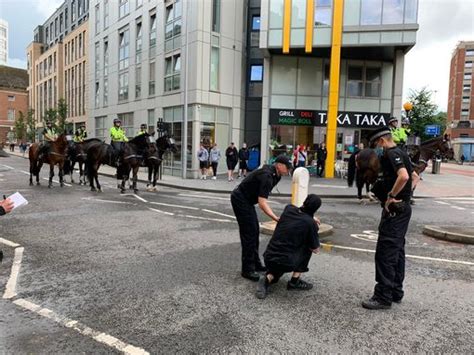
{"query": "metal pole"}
(184, 140)
(159, 126)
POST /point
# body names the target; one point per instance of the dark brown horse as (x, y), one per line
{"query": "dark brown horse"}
(428, 149)
(77, 153)
(133, 156)
(55, 156)
(98, 153)
(364, 168)
(154, 157)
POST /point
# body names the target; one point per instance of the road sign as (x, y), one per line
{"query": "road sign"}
(433, 130)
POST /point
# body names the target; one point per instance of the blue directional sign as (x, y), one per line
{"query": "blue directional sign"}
(433, 130)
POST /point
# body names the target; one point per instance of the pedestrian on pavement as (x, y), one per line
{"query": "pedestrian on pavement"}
(231, 155)
(244, 155)
(322, 154)
(292, 244)
(394, 192)
(302, 156)
(463, 158)
(203, 156)
(215, 156)
(6, 206)
(255, 188)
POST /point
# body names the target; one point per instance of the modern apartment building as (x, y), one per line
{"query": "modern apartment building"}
(57, 63)
(461, 100)
(3, 42)
(13, 100)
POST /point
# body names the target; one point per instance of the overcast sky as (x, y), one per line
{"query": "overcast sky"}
(442, 24)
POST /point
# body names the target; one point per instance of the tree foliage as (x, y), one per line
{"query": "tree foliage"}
(30, 125)
(424, 112)
(20, 127)
(61, 116)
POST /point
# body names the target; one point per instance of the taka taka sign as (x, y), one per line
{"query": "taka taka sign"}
(319, 118)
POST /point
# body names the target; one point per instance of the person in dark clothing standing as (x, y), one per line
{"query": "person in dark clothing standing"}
(322, 154)
(232, 157)
(255, 188)
(244, 155)
(292, 244)
(394, 192)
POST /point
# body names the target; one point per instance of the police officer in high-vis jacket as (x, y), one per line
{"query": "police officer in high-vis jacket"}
(118, 137)
(399, 134)
(143, 130)
(49, 135)
(255, 189)
(80, 135)
(394, 192)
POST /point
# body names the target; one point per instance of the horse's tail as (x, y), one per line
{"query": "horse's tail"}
(351, 171)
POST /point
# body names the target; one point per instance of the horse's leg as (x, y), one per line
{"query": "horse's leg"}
(156, 167)
(135, 178)
(93, 171)
(37, 172)
(61, 175)
(99, 188)
(73, 162)
(32, 171)
(150, 172)
(51, 175)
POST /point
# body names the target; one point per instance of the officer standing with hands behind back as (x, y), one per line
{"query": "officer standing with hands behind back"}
(255, 188)
(394, 193)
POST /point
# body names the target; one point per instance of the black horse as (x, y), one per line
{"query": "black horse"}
(154, 157)
(363, 167)
(77, 153)
(428, 149)
(98, 153)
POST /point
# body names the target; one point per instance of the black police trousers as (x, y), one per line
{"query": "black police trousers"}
(277, 270)
(249, 229)
(390, 255)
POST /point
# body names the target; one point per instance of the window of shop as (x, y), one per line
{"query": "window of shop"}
(173, 117)
(323, 13)
(100, 127)
(127, 123)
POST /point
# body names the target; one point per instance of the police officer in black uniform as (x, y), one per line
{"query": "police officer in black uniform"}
(255, 188)
(394, 192)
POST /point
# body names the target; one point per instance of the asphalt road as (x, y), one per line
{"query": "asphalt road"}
(104, 272)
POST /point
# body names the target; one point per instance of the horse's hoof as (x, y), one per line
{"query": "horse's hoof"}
(31, 184)
(122, 191)
(135, 191)
(38, 183)
(155, 189)
(62, 185)
(99, 190)
(50, 186)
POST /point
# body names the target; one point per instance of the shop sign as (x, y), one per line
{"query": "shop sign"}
(319, 118)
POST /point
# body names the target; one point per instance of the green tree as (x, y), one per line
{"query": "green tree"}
(424, 112)
(51, 115)
(20, 127)
(61, 116)
(30, 125)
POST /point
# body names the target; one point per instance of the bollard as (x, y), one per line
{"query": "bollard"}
(299, 186)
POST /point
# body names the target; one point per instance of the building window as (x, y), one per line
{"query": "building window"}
(127, 123)
(151, 121)
(323, 13)
(123, 86)
(97, 93)
(123, 49)
(152, 30)
(468, 76)
(216, 15)
(214, 82)
(173, 26)
(363, 82)
(100, 127)
(392, 12)
(256, 23)
(123, 8)
(11, 97)
(97, 18)
(465, 112)
(106, 13)
(466, 87)
(469, 52)
(97, 60)
(466, 99)
(11, 114)
(151, 76)
(468, 64)
(372, 82)
(326, 80)
(138, 82)
(106, 57)
(355, 81)
(172, 72)
(106, 92)
(139, 3)
(371, 12)
(138, 44)
(256, 72)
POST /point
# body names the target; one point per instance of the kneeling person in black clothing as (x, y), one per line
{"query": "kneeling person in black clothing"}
(290, 249)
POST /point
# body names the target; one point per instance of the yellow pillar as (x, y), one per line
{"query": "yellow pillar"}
(309, 26)
(334, 75)
(286, 26)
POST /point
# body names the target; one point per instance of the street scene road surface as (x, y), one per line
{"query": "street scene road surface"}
(159, 272)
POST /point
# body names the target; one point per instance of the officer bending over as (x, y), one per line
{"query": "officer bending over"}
(291, 247)
(255, 188)
(394, 193)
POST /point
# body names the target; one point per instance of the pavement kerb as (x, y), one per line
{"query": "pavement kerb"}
(440, 232)
(269, 227)
(199, 189)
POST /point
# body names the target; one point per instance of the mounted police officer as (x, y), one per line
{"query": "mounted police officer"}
(143, 130)
(255, 188)
(399, 134)
(394, 193)
(118, 138)
(80, 135)
(49, 135)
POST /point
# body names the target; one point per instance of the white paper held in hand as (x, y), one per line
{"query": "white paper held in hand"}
(18, 200)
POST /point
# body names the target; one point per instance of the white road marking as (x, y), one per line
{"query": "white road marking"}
(8, 167)
(458, 208)
(160, 211)
(82, 329)
(200, 196)
(140, 198)
(178, 206)
(459, 198)
(442, 203)
(462, 262)
(329, 186)
(10, 289)
(24, 172)
(208, 219)
(9, 243)
(218, 213)
(107, 201)
(57, 182)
